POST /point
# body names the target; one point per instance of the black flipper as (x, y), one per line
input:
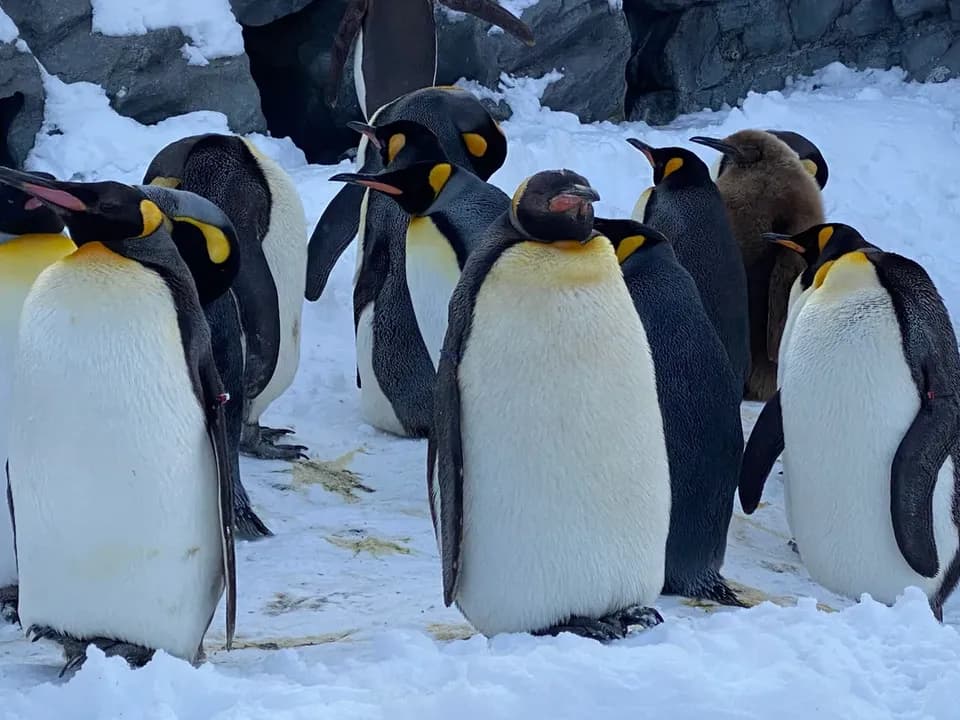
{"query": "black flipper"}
(930, 348)
(334, 232)
(350, 24)
(763, 448)
(10, 595)
(491, 12)
(444, 445)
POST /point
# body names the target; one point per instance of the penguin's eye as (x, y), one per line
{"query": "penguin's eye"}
(109, 206)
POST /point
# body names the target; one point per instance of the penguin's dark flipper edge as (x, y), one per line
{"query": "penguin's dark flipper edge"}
(490, 11)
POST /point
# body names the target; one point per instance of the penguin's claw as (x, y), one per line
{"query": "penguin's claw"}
(273, 434)
(793, 546)
(260, 442)
(599, 630)
(75, 651)
(645, 617)
(9, 600)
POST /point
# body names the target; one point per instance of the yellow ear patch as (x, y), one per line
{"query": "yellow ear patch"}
(823, 237)
(395, 145)
(152, 217)
(628, 246)
(822, 273)
(810, 166)
(218, 247)
(167, 182)
(476, 144)
(439, 176)
(673, 164)
(521, 189)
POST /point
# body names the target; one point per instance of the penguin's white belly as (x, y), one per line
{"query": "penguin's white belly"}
(566, 503)
(375, 408)
(848, 399)
(795, 303)
(285, 247)
(113, 474)
(432, 275)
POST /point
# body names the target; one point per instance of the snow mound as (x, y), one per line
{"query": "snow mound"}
(8, 29)
(210, 24)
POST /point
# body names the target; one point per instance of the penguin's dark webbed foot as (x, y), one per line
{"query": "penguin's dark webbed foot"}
(260, 442)
(248, 525)
(614, 626)
(793, 546)
(9, 600)
(710, 587)
(75, 651)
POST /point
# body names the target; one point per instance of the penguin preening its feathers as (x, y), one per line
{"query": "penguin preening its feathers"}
(127, 259)
(397, 47)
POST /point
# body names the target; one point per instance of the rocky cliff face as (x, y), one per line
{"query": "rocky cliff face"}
(636, 59)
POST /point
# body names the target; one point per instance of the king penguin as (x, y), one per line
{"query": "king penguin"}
(693, 371)
(120, 484)
(31, 238)
(547, 466)
(809, 154)
(686, 206)
(396, 50)
(868, 419)
(383, 310)
(264, 206)
(449, 207)
(766, 189)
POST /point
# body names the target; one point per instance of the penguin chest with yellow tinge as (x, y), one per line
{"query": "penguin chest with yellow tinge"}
(432, 271)
(26, 256)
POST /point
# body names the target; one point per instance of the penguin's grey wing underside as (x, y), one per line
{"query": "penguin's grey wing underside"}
(930, 347)
(258, 304)
(786, 268)
(763, 447)
(350, 24)
(335, 230)
(445, 442)
(490, 11)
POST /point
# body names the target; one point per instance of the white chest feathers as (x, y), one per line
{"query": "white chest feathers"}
(432, 274)
(113, 474)
(566, 502)
(285, 247)
(848, 398)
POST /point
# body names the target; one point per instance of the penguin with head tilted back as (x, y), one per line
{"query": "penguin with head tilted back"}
(868, 419)
(31, 238)
(264, 206)
(396, 50)
(117, 445)
(766, 189)
(685, 205)
(449, 208)
(810, 157)
(693, 372)
(547, 466)
(384, 316)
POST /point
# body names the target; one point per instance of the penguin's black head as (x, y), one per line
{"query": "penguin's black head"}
(629, 236)
(204, 236)
(94, 212)
(414, 188)
(21, 214)
(677, 164)
(480, 134)
(167, 167)
(554, 205)
(809, 154)
(821, 244)
(402, 142)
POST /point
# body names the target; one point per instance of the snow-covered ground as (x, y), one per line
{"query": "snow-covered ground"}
(340, 614)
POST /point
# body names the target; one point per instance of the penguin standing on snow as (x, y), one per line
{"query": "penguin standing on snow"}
(264, 206)
(396, 398)
(449, 207)
(693, 372)
(195, 238)
(31, 238)
(766, 189)
(868, 419)
(396, 49)
(118, 466)
(686, 206)
(547, 466)
(810, 157)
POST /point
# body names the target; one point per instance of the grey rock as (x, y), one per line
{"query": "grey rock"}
(261, 12)
(21, 101)
(905, 9)
(922, 52)
(951, 60)
(811, 19)
(955, 10)
(768, 29)
(868, 17)
(146, 76)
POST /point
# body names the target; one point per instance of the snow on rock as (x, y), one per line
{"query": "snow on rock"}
(8, 29)
(341, 613)
(210, 24)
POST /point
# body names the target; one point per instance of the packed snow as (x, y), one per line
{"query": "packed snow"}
(8, 29)
(341, 613)
(211, 24)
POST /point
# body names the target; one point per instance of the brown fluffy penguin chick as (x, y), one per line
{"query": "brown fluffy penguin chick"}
(766, 189)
